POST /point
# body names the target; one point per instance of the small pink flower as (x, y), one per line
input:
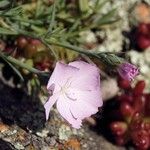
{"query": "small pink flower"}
(128, 71)
(75, 89)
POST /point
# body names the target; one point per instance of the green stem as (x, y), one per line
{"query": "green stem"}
(49, 47)
(22, 65)
(71, 47)
(107, 58)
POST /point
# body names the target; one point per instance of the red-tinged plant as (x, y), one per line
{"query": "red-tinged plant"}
(143, 41)
(125, 84)
(126, 109)
(30, 50)
(139, 88)
(143, 35)
(120, 140)
(139, 104)
(125, 97)
(28, 47)
(21, 42)
(147, 105)
(141, 139)
(118, 127)
(144, 28)
(134, 125)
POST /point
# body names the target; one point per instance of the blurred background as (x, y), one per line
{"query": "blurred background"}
(35, 34)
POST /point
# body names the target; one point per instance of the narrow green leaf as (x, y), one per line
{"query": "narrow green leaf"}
(39, 9)
(83, 5)
(74, 26)
(4, 4)
(12, 12)
(52, 22)
(7, 31)
(22, 65)
(14, 68)
(107, 22)
(99, 5)
(105, 18)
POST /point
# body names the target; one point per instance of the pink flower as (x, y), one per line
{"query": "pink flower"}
(128, 71)
(75, 89)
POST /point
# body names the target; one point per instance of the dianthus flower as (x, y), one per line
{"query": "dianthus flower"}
(75, 88)
(128, 71)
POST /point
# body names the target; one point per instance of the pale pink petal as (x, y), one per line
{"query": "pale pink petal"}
(64, 109)
(87, 77)
(48, 105)
(61, 74)
(78, 89)
(82, 65)
(82, 109)
(92, 97)
(84, 103)
(85, 82)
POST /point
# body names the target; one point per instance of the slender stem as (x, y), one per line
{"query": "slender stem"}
(107, 58)
(71, 47)
(49, 47)
(22, 65)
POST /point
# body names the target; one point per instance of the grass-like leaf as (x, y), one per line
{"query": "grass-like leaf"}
(5, 31)
(14, 68)
(4, 4)
(105, 19)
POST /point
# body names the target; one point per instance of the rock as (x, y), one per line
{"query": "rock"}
(109, 88)
(3, 127)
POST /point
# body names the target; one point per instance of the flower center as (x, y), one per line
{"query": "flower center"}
(65, 86)
(65, 91)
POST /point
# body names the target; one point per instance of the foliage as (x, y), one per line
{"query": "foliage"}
(56, 24)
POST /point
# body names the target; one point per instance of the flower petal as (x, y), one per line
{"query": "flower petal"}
(61, 74)
(128, 71)
(87, 77)
(86, 103)
(48, 105)
(92, 97)
(82, 65)
(64, 109)
(77, 90)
